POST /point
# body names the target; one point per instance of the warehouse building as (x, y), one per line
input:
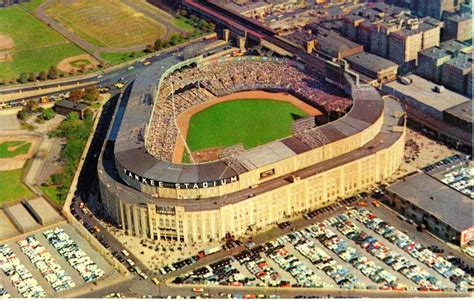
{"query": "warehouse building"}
(426, 103)
(446, 212)
(373, 66)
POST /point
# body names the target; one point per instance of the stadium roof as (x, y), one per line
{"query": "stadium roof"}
(421, 90)
(265, 154)
(436, 198)
(134, 113)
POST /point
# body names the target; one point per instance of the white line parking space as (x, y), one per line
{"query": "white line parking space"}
(45, 263)
(33, 267)
(354, 249)
(20, 277)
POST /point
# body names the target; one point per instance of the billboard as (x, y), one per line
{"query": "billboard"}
(467, 235)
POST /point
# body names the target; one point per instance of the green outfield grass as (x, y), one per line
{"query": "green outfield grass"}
(37, 47)
(20, 148)
(11, 187)
(250, 122)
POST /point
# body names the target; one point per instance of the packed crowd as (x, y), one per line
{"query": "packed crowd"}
(194, 84)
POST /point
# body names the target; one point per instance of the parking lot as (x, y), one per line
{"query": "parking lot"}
(49, 263)
(353, 248)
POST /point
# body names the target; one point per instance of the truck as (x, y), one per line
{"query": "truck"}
(212, 250)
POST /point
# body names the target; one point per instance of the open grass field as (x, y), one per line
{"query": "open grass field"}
(251, 122)
(36, 46)
(11, 149)
(11, 187)
(52, 194)
(106, 23)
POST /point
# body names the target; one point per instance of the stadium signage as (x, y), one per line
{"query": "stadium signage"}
(161, 184)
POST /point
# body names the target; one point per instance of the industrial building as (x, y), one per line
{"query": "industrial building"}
(426, 103)
(445, 211)
(328, 42)
(373, 66)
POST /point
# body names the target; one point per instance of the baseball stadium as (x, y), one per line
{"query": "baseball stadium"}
(200, 148)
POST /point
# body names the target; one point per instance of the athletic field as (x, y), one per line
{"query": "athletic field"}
(11, 149)
(251, 122)
(36, 47)
(108, 23)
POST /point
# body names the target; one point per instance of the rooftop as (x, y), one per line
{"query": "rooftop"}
(421, 90)
(462, 111)
(71, 105)
(43, 209)
(436, 198)
(461, 61)
(370, 61)
(21, 217)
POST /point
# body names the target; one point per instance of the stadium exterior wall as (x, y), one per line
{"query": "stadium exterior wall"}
(252, 177)
(176, 221)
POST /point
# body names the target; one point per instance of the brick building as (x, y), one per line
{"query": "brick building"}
(392, 32)
(431, 60)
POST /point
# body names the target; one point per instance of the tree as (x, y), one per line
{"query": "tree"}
(31, 106)
(174, 39)
(149, 48)
(48, 114)
(183, 12)
(76, 95)
(43, 75)
(23, 78)
(22, 114)
(32, 77)
(53, 72)
(91, 94)
(158, 44)
(88, 114)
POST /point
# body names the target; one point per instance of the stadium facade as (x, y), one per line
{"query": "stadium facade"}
(159, 199)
